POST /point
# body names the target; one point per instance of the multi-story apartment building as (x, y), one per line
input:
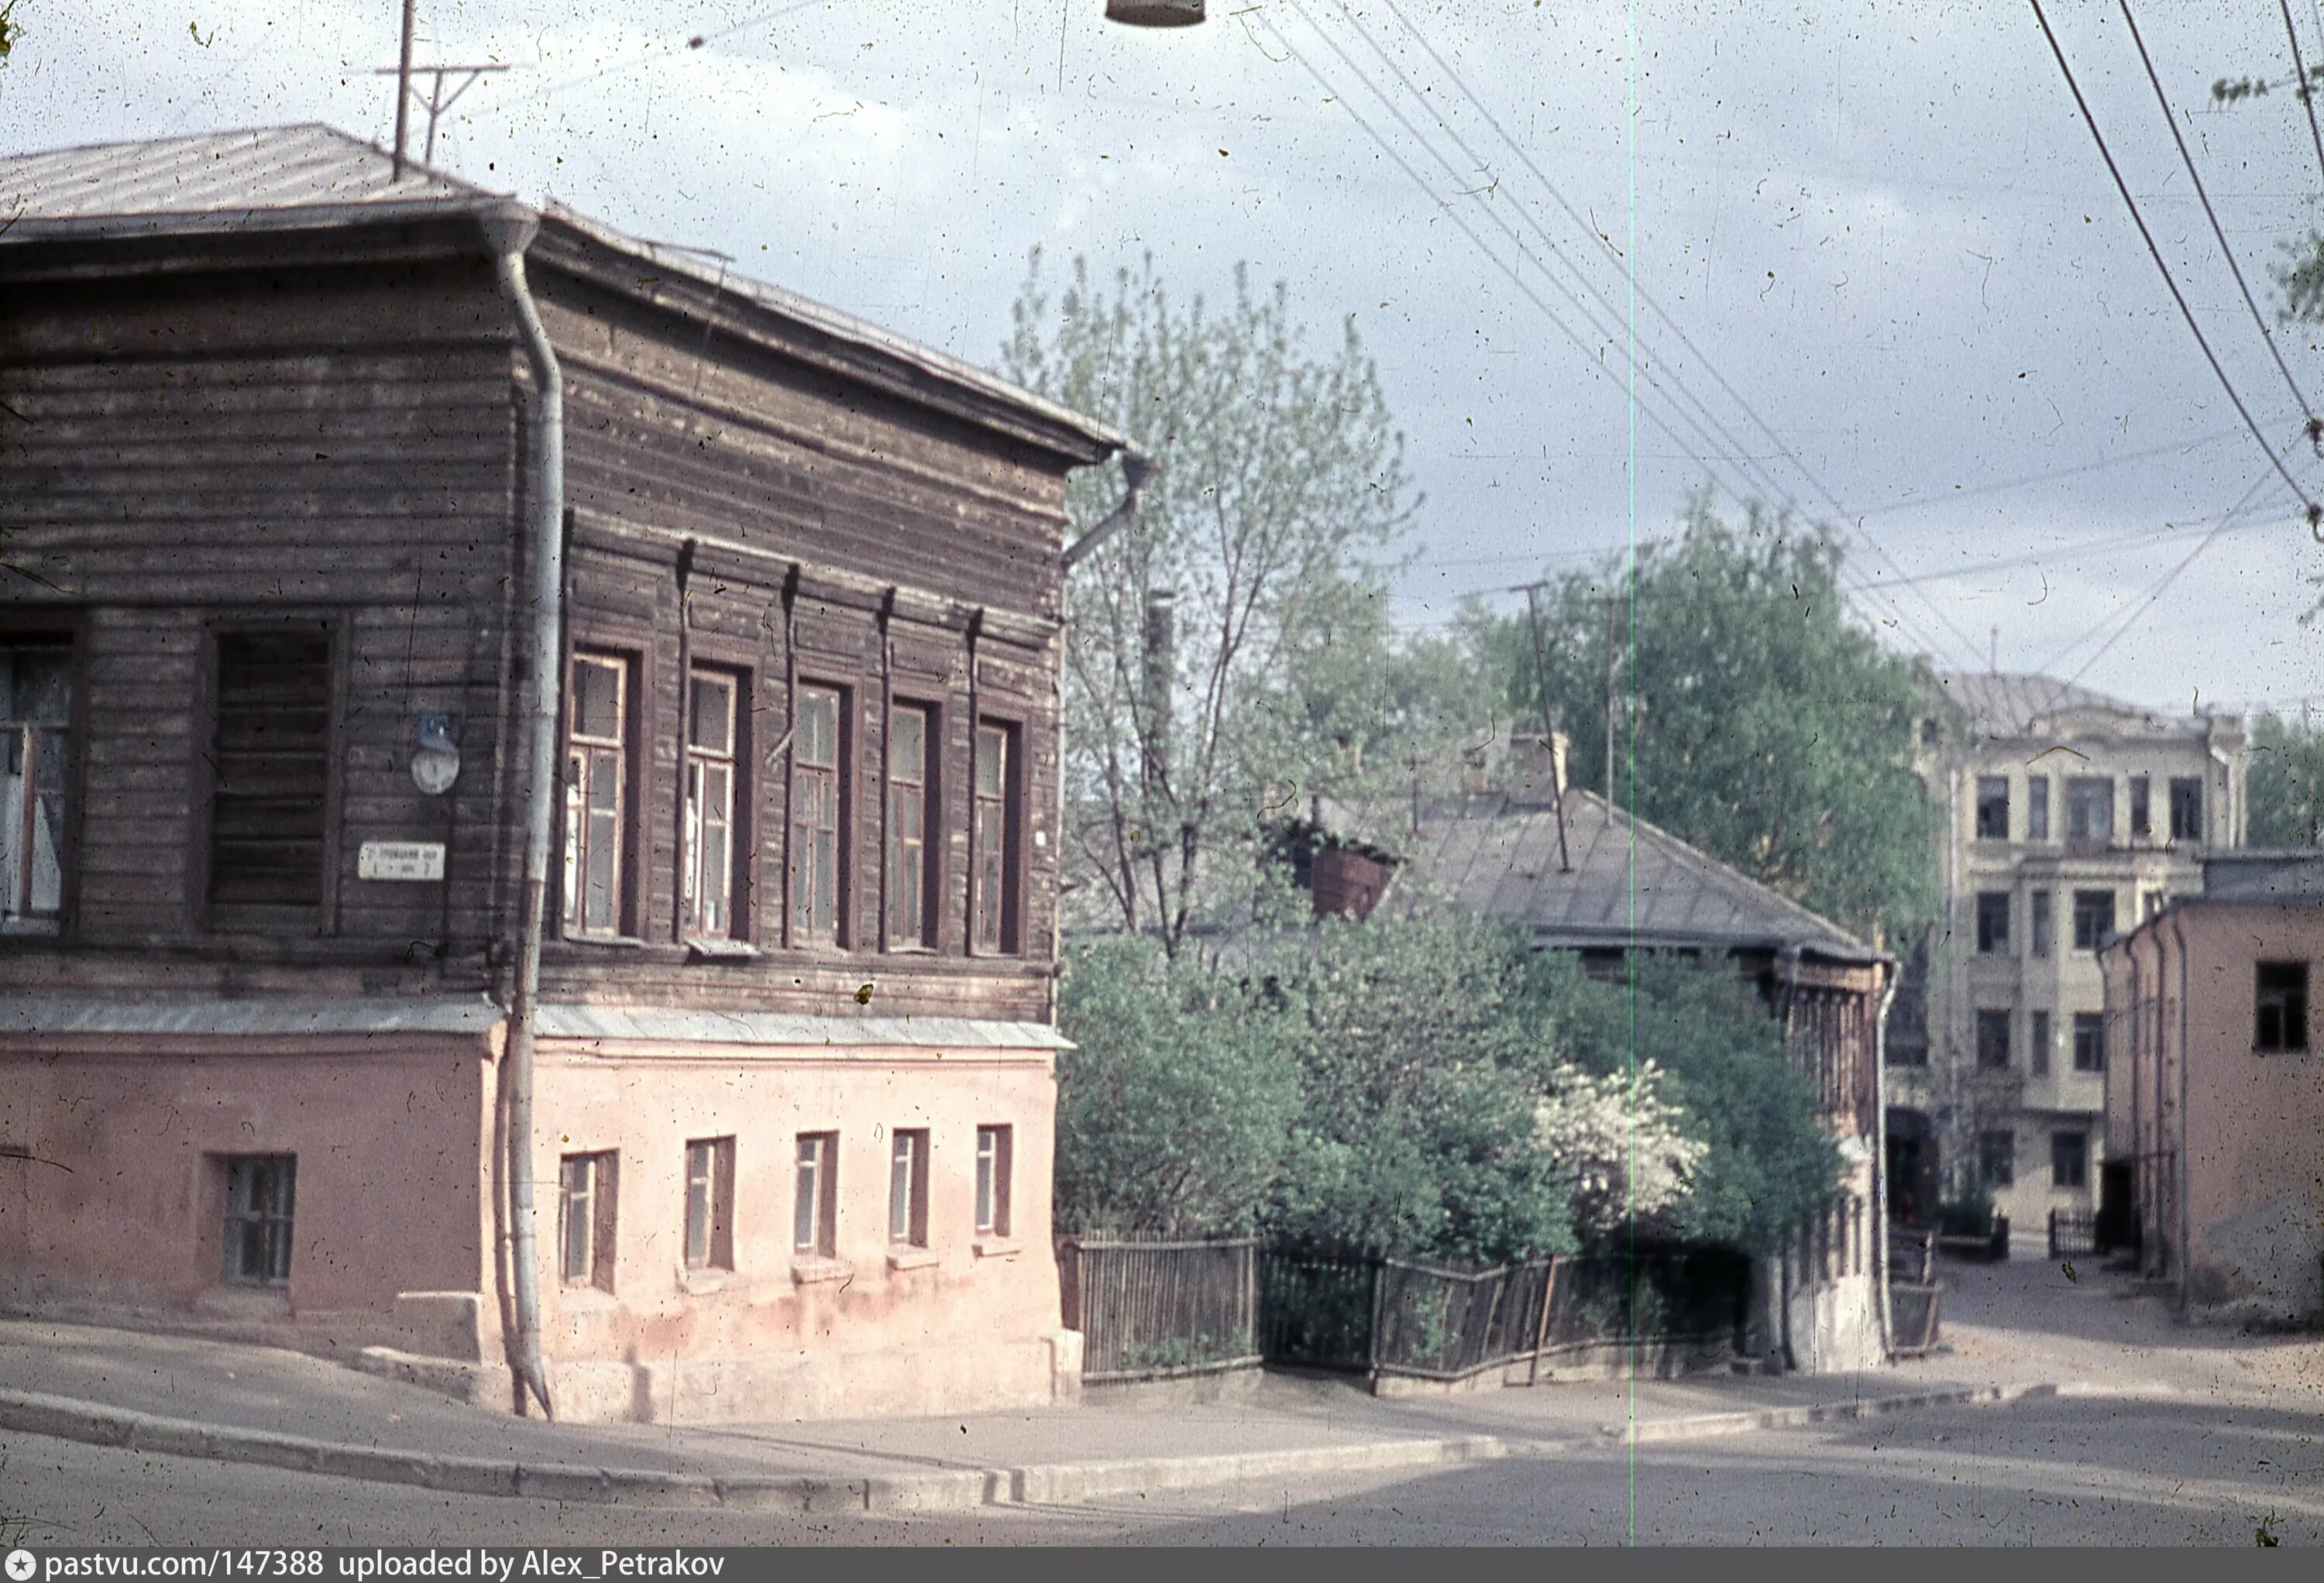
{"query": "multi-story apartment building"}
(2065, 818)
(529, 806)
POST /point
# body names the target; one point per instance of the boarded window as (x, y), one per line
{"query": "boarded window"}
(271, 754)
(712, 771)
(815, 803)
(596, 794)
(911, 871)
(2281, 1005)
(35, 710)
(996, 837)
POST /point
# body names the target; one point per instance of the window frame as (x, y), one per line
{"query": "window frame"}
(996, 1148)
(27, 632)
(2038, 1036)
(2187, 807)
(1997, 1157)
(623, 750)
(708, 1228)
(908, 1188)
(2290, 1035)
(236, 1222)
(815, 1189)
(926, 794)
(2141, 805)
(2080, 1138)
(816, 935)
(2041, 922)
(268, 917)
(2086, 907)
(695, 763)
(1007, 837)
(1990, 1019)
(1993, 911)
(2084, 791)
(1992, 823)
(2089, 1042)
(2037, 807)
(602, 1169)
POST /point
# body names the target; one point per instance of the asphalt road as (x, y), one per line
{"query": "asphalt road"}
(2079, 1471)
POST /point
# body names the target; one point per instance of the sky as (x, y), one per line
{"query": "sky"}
(1860, 260)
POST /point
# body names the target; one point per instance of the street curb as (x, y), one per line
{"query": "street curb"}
(950, 1489)
(1710, 1425)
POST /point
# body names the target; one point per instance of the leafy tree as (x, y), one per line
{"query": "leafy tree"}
(2285, 783)
(1280, 473)
(1173, 1107)
(1751, 718)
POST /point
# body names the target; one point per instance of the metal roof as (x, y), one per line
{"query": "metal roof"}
(2271, 877)
(353, 1015)
(1631, 884)
(288, 177)
(220, 172)
(2007, 703)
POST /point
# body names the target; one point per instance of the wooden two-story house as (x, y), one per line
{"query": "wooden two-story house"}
(677, 1035)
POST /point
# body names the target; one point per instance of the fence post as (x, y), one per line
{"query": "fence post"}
(1541, 1327)
(1372, 1335)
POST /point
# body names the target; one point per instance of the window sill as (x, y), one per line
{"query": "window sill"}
(911, 1258)
(713, 950)
(807, 1269)
(705, 1282)
(604, 942)
(998, 1247)
(586, 1297)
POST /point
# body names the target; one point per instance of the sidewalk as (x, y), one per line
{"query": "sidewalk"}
(181, 1396)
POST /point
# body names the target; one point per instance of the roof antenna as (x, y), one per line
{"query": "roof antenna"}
(437, 100)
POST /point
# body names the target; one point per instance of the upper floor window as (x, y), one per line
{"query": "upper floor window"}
(2040, 925)
(35, 713)
(713, 776)
(2093, 918)
(911, 802)
(2037, 807)
(996, 838)
(2090, 1041)
(271, 762)
(2186, 808)
(2090, 809)
(2037, 1043)
(2142, 816)
(598, 727)
(817, 777)
(2281, 1005)
(1992, 1041)
(1993, 808)
(1993, 922)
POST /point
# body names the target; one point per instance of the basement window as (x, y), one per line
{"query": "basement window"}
(260, 1193)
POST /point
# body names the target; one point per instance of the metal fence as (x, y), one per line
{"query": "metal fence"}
(2073, 1231)
(1153, 1309)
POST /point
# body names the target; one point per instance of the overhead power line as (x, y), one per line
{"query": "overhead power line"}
(2315, 511)
(2307, 89)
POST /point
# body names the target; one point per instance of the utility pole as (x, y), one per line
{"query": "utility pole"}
(403, 89)
(1548, 729)
(1609, 710)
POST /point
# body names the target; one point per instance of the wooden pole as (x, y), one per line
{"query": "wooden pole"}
(403, 90)
(1541, 1327)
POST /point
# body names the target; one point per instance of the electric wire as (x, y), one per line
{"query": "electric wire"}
(2315, 511)
(2307, 90)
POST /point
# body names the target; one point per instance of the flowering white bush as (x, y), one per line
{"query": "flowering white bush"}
(1621, 1142)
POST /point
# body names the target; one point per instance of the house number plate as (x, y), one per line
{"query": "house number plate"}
(399, 860)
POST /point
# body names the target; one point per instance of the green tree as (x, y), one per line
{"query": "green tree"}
(2285, 793)
(1172, 1108)
(1280, 474)
(1751, 717)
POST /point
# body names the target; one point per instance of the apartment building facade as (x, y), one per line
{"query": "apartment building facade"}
(489, 698)
(2066, 817)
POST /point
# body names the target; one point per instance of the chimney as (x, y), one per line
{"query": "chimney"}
(1537, 769)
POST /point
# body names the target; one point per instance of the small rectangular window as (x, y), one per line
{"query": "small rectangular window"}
(261, 1191)
(817, 797)
(2037, 1043)
(996, 837)
(2093, 918)
(713, 775)
(2070, 1159)
(2090, 810)
(597, 730)
(2044, 928)
(1993, 808)
(2037, 807)
(585, 1220)
(993, 1147)
(1996, 1158)
(911, 803)
(908, 1187)
(35, 715)
(2090, 1041)
(1993, 922)
(271, 757)
(710, 1204)
(1992, 1041)
(2281, 1003)
(2142, 817)
(2186, 808)
(815, 1197)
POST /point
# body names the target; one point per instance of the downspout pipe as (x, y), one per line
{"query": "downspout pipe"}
(2182, 1167)
(509, 231)
(1788, 960)
(1880, 1156)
